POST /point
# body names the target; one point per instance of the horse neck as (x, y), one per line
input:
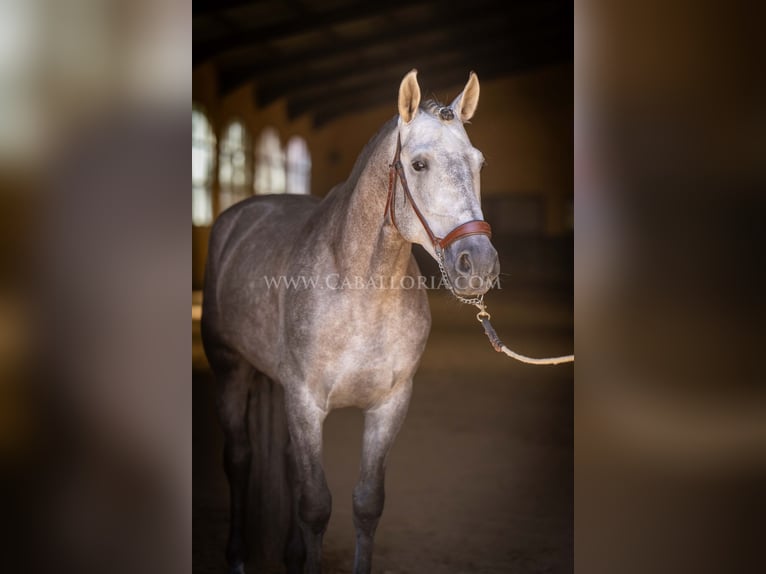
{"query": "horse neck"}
(369, 244)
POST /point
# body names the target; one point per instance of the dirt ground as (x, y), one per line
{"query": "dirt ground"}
(480, 479)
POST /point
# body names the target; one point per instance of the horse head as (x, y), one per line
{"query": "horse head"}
(439, 170)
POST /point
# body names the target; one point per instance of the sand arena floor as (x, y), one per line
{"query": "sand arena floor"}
(480, 479)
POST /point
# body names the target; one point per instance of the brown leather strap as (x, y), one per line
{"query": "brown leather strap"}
(396, 171)
(475, 227)
(400, 172)
(391, 184)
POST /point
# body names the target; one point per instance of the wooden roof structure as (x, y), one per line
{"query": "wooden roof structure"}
(330, 57)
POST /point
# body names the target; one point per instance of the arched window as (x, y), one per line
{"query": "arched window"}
(298, 166)
(269, 163)
(234, 165)
(203, 157)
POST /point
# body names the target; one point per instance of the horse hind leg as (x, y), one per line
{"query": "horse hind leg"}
(295, 549)
(270, 504)
(234, 383)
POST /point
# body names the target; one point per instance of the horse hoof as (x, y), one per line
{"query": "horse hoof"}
(238, 568)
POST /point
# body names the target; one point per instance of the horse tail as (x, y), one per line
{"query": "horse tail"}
(270, 497)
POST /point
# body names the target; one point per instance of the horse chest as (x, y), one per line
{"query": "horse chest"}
(363, 367)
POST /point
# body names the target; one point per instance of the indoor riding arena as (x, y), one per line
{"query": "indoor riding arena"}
(285, 97)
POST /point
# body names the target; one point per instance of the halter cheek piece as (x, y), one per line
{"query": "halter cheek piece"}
(396, 170)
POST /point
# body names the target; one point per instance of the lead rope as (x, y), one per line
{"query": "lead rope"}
(483, 317)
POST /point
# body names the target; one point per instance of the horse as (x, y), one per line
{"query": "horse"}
(322, 345)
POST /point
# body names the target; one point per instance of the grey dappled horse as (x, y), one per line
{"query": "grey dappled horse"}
(416, 181)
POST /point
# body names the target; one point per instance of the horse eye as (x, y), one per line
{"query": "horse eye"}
(418, 165)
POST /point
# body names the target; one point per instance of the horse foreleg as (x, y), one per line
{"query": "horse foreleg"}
(232, 411)
(312, 496)
(381, 426)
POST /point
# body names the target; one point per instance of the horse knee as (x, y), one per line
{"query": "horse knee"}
(315, 508)
(368, 505)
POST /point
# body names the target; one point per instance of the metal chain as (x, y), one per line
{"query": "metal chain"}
(469, 301)
(483, 317)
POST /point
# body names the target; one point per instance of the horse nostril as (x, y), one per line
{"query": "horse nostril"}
(464, 265)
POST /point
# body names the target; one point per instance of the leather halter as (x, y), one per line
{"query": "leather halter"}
(396, 170)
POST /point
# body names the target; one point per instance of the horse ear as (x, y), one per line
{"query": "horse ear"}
(409, 96)
(465, 104)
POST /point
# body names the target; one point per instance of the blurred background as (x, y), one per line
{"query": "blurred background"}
(669, 176)
(95, 262)
(670, 173)
(285, 96)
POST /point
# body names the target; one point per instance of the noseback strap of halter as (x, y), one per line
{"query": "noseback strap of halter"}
(396, 170)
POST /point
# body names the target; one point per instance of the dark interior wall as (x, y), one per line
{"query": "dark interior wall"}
(523, 126)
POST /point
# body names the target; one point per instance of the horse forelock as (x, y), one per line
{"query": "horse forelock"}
(438, 109)
(432, 106)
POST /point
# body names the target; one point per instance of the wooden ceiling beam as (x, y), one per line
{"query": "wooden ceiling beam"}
(448, 72)
(310, 21)
(356, 67)
(303, 92)
(386, 74)
(346, 71)
(437, 22)
(326, 111)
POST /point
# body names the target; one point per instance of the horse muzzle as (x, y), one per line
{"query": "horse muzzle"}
(472, 265)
